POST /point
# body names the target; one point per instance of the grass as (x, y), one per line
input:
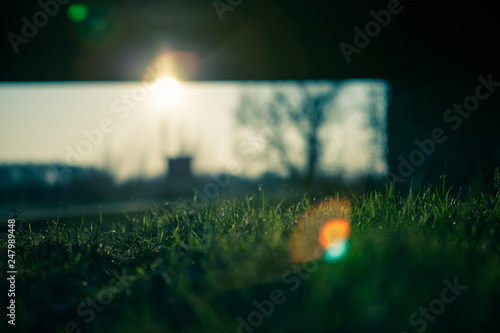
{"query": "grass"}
(198, 267)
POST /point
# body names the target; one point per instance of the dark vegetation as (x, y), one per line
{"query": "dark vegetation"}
(197, 267)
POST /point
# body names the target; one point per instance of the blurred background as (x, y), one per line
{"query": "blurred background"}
(118, 100)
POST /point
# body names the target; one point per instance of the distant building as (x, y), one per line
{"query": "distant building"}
(179, 176)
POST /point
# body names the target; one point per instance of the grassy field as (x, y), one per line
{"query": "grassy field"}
(420, 262)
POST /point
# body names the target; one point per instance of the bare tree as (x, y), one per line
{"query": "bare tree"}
(293, 108)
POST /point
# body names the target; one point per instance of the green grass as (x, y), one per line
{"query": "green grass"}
(197, 267)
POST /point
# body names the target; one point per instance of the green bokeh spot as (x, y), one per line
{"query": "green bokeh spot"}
(336, 251)
(78, 12)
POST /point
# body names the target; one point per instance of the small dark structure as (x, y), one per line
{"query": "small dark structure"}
(179, 176)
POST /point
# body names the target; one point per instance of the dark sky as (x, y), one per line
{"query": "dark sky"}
(255, 39)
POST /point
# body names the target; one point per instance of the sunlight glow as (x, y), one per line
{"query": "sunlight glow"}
(166, 91)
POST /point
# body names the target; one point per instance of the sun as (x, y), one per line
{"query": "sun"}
(166, 91)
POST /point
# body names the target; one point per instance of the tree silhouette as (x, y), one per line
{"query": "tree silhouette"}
(300, 108)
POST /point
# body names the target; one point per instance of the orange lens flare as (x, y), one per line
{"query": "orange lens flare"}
(334, 231)
(323, 231)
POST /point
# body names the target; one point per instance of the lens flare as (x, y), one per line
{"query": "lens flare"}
(323, 231)
(333, 237)
(78, 12)
(336, 251)
(333, 231)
